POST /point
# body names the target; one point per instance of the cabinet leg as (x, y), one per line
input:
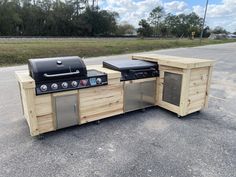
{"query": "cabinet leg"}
(98, 122)
(179, 116)
(39, 137)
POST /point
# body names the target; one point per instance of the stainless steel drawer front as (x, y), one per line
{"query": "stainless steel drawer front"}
(172, 88)
(139, 95)
(66, 111)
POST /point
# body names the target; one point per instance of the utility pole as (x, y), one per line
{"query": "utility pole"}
(93, 4)
(204, 18)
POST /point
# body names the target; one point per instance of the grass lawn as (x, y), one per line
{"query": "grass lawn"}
(18, 51)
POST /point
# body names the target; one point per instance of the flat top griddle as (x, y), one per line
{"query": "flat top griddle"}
(124, 64)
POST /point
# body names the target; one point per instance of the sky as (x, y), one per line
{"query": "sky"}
(220, 12)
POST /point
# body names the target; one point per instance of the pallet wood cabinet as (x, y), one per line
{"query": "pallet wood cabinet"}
(84, 105)
(184, 83)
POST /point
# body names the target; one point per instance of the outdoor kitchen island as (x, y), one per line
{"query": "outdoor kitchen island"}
(177, 84)
(184, 83)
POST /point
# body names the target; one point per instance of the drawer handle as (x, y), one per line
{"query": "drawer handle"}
(75, 108)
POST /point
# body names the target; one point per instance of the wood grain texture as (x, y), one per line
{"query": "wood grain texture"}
(100, 102)
(45, 123)
(173, 61)
(198, 89)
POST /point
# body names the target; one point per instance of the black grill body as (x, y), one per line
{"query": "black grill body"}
(133, 69)
(63, 74)
(46, 69)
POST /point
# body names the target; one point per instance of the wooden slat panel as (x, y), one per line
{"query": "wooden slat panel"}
(100, 102)
(45, 123)
(108, 114)
(43, 105)
(101, 109)
(179, 62)
(197, 90)
(197, 103)
(196, 97)
(170, 69)
(198, 83)
(95, 91)
(199, 77)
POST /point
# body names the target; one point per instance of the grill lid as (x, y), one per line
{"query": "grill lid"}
(46, 69)
(121, 65)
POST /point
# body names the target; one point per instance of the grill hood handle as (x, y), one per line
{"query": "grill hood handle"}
(62, 74)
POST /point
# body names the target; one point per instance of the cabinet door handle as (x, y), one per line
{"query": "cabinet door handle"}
(75, 108)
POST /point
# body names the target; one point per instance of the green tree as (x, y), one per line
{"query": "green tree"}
(183, 25)
(155, 18)
(145, 29)
(125, 29)
(219, 30)
(10, 20)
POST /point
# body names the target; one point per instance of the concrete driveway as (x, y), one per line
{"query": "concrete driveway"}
(152, 143)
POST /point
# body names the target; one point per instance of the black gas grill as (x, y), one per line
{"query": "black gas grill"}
(133, 69)
(62, 74)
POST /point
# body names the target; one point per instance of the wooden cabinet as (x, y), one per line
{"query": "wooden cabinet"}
(101, 102)
(183, 91)
(184, 83)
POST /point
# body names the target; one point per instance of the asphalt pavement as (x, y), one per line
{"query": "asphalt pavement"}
(137, 144)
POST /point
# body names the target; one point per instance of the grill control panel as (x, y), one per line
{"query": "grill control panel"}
(59, 86)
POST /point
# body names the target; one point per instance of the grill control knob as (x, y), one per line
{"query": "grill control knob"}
(64, 85)
(83, 82)
(99, 80)
(54, 86)
(43, 88)
(74, 83)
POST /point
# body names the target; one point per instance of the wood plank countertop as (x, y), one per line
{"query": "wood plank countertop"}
(173, 61)
(25, 79)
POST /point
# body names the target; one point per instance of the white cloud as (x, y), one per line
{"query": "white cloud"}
(132, 11)
(175, 6)
(223, 14)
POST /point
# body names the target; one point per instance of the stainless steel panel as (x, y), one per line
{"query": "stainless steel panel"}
(148, 92)
(172, 88)
(66, 111)
(132, 97)
(139, 95)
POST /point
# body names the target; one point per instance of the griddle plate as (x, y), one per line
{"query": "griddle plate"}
(123, 64)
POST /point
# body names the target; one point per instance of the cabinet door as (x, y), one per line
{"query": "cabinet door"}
(66, 111)
(132, 97)
(172, 88)
(148, 91)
